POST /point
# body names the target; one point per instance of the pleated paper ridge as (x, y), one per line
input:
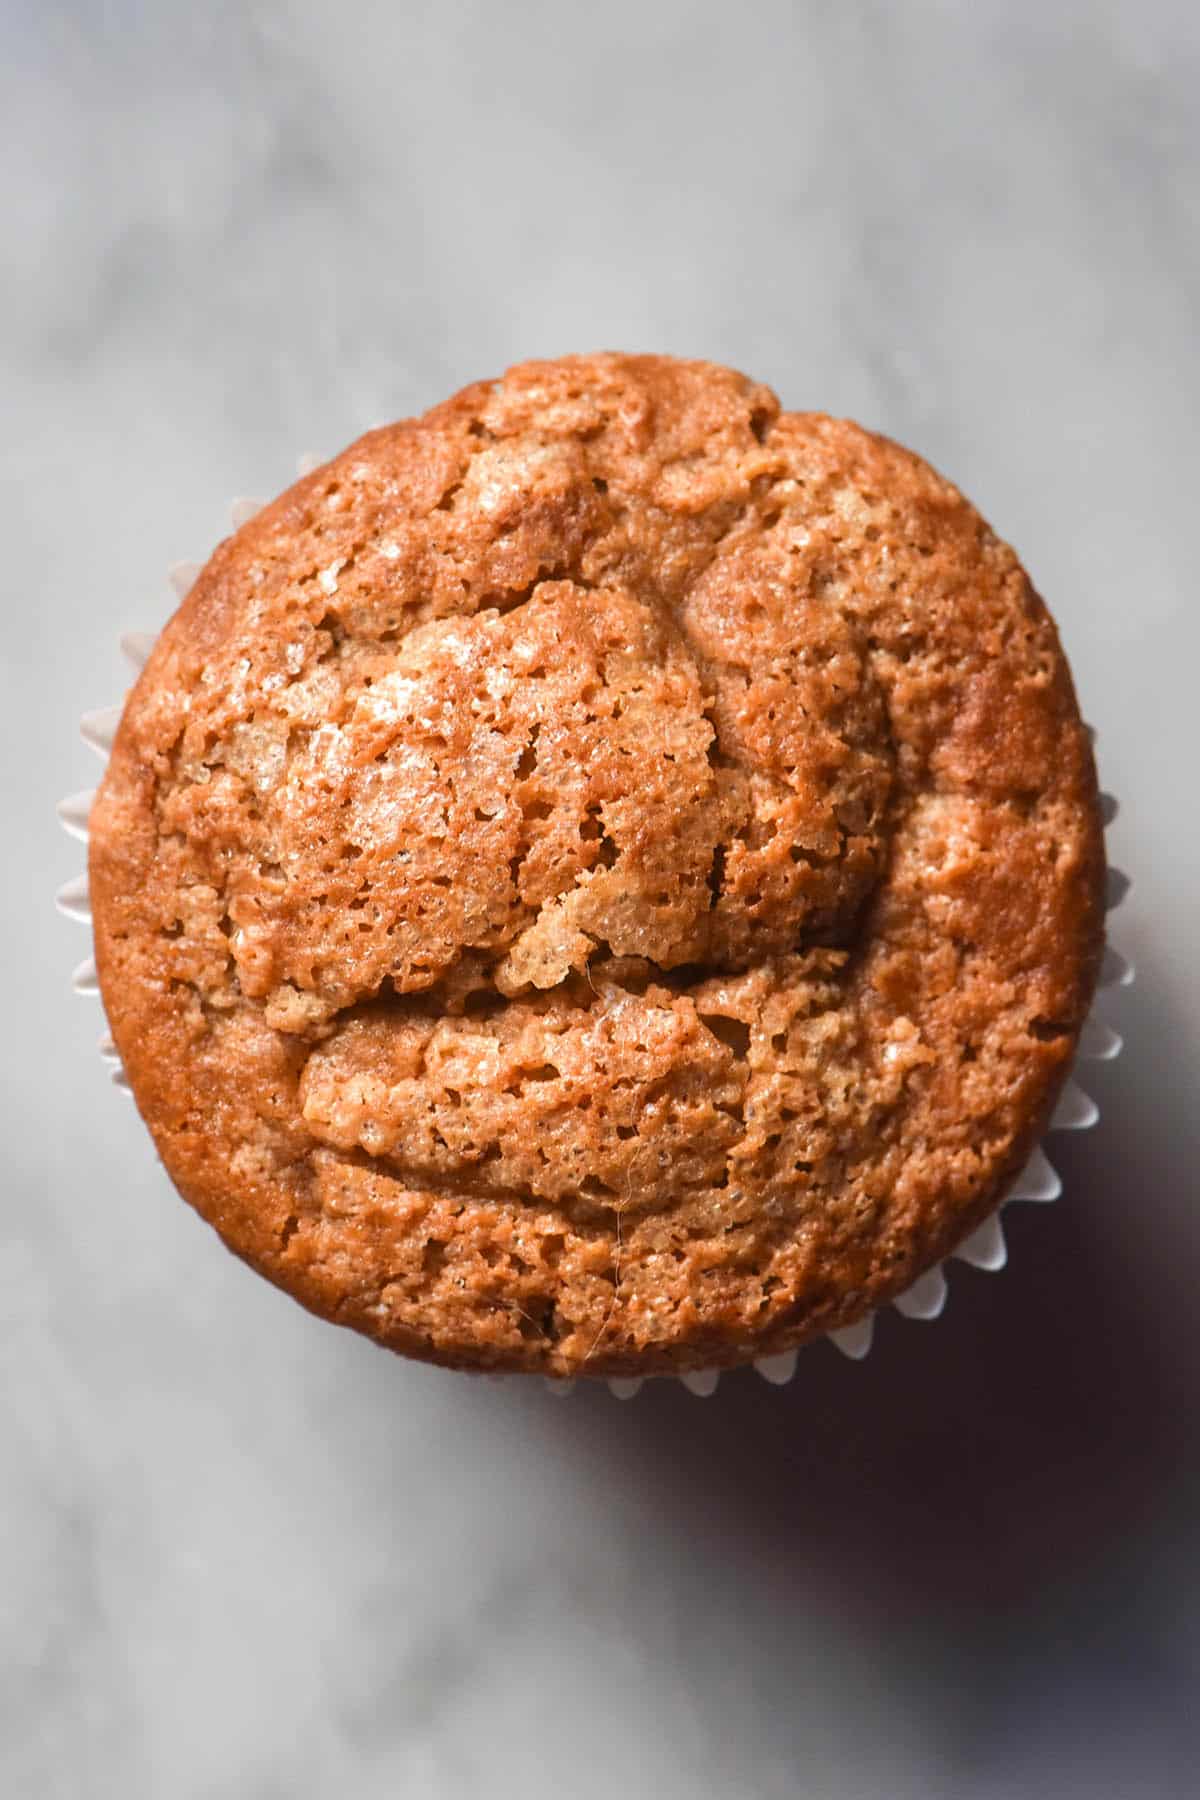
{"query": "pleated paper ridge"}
(984, 1248)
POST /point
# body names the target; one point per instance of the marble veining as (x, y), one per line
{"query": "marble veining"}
(244, 1555)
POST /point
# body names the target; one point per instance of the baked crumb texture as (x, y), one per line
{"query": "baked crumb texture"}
(603, 878)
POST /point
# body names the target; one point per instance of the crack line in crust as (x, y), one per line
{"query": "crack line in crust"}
(779, 621)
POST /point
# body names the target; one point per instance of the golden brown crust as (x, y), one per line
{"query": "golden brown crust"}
(604, 877)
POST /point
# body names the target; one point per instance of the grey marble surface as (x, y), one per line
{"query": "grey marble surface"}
(244, 1555)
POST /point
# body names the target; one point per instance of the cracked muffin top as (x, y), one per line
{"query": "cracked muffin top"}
(602, 878)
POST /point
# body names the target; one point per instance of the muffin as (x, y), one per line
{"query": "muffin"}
(605, 878)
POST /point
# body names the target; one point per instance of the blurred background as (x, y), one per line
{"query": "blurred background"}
(245, 1555)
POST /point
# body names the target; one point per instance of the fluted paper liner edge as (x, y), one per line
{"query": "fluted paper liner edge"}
(925, 1300)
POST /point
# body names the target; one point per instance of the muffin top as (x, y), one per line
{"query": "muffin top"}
(604, 877)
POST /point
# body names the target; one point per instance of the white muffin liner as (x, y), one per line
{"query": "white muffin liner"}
(925, 1300)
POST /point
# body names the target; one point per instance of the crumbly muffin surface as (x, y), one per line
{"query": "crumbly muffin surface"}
(604, 877)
